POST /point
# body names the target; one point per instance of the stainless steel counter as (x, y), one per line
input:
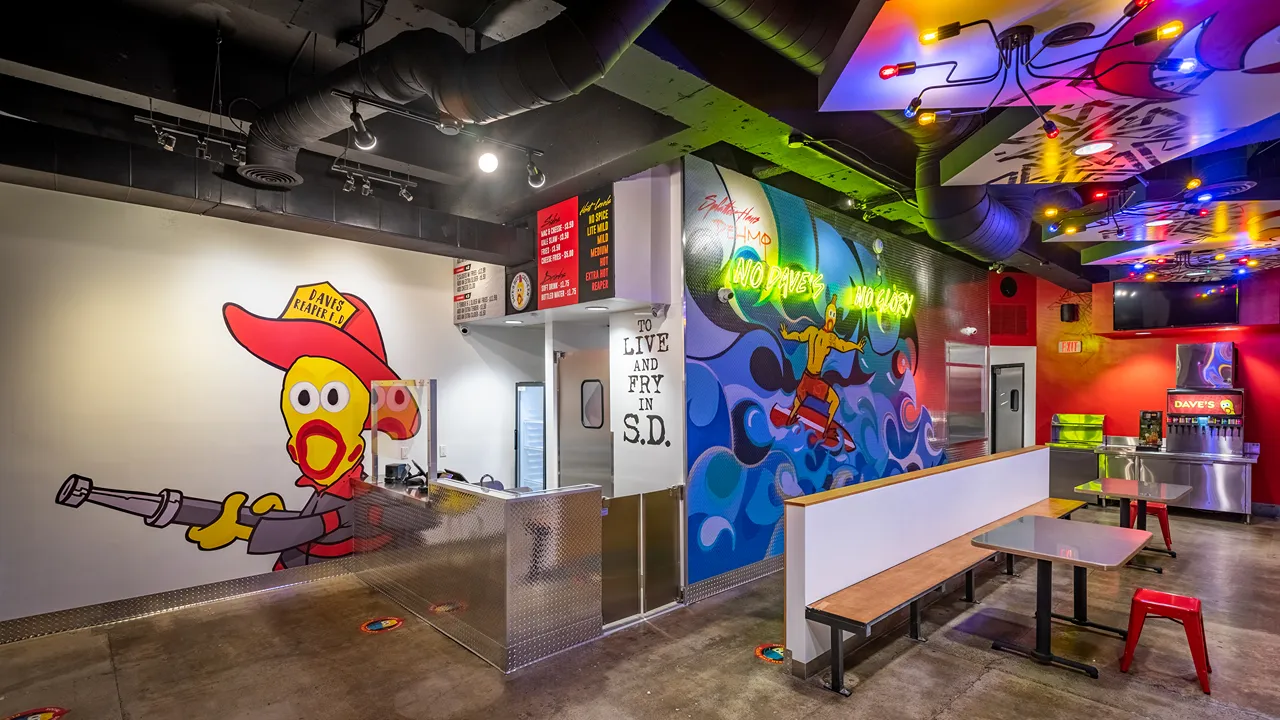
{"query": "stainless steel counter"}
(1221, 483)
(513, 577)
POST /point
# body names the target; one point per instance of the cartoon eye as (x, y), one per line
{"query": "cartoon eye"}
(304, 397)
(398, 399)
(334, 396)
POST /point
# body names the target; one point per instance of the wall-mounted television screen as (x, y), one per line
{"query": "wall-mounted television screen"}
(1148, 305)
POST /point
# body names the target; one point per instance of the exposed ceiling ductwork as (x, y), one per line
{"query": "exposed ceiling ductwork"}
(543, 66)
(801, 31)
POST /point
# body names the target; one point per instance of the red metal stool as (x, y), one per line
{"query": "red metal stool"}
(1179, 608)
(1161, 511)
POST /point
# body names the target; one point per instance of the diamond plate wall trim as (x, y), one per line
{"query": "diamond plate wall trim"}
(513, 578)
(727, 581)
(146, 605)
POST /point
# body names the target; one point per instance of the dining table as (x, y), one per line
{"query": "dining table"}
(1141, 491)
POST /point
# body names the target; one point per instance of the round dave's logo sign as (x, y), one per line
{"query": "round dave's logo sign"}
(380, 625)
(770, 653)
(49, 713)
(521, 291)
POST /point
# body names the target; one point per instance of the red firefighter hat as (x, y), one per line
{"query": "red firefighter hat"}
(319, 321)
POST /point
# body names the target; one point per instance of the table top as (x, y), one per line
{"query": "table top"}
(1135, 489)
(1065, 541)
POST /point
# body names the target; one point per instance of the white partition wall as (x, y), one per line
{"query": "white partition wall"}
(838, 538)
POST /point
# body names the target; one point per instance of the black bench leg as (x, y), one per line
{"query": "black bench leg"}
(968, 587)
(913, 630)
(837, 662)
(1008, 564)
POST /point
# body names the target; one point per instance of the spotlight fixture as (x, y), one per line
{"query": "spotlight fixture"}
(796, 140)
(404, 193)
(1093, 148)
(536, 178)
(892, 71)
(1185, 66)
(1194, 183)
(1204, 197)
(366, 189)
(847, 202)
(350, 184)
(488, 162)
(202, 149)
(1167, 31)
(364, 139)
(166, 140)
(238, 155)
(1051, 211)
(950, 30)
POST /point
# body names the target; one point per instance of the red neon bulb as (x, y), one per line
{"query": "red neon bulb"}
(1244, 260)
(1052, 133)
(1098, 195)
(1204, 212)
(888, 71)
(1142, 3)
(1160, 261)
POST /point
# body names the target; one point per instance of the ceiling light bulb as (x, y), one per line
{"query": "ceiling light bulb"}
(928, 36)
(1159, 223)
(888, 71)
(913, 107)
(513, 322)
(536, 178)
(1252, 263)
(1187, 66)
(1099, 194)
(1204, 197)
(927, 118)
(1220, 256)
(1051, 212)
(1171, 29)
(1071, 230)
(364, 139)
(488, 162)
(1093, 148)
(1194, 183)
(1053, 227)
(949, 30)
(404, 193)
(1120, 232)
(1050, 129)
(1240, 271)
(1135, 6)
(1149, 276)
(1139, 266)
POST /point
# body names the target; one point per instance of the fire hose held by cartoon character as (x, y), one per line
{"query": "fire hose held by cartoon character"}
(168, 507)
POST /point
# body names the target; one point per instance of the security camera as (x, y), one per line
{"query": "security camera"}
(659, 309)
(464, 329)
(724, 295)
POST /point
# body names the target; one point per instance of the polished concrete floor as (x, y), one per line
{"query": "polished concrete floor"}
(298, 653)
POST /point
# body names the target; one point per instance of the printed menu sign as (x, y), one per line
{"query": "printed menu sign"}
(595, 221)
(558, 254)
(477, 291)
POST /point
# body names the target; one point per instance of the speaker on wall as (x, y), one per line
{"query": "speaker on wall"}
(1069, 312)
(1008, 286)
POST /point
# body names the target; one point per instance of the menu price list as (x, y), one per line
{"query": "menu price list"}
(477, 286)
(558, 254)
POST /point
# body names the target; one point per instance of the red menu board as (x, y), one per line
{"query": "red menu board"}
(558, 254)
(1205, 404)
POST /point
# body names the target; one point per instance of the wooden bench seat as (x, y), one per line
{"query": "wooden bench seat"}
(857, 607)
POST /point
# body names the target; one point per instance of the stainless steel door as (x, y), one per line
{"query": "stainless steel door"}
(1007, 397)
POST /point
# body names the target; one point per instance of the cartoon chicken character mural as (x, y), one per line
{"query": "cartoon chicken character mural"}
(330, 348)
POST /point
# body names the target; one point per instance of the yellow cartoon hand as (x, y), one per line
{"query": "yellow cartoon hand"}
(227, 528)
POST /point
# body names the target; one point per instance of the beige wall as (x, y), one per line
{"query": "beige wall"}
(117, 365)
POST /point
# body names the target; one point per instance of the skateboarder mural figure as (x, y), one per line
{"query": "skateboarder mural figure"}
(821, 342)
(330, 348)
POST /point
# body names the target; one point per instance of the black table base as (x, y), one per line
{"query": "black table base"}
(1043, 651)
(1080, 585)
(1142, 525)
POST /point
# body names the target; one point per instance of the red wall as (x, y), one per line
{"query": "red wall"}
(1023, 302)
(1118, 377)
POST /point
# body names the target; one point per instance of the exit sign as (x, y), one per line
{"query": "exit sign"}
(1070, 346)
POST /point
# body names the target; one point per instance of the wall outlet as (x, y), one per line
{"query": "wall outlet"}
(441, 451)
